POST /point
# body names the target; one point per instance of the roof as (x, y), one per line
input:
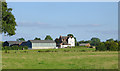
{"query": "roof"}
(14, 42)
(84, 43)
(64, 37)
(42, 41)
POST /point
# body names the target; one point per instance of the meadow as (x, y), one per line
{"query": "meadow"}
(67, 58)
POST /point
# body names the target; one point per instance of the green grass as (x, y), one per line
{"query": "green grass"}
(69, 58)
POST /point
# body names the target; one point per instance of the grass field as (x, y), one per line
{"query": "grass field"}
(69, 58)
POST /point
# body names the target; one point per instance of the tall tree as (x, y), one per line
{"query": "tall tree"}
(70, 35)
(95, 41)
(8, 20)
(37, 38)
(48, 37)
(20, 39)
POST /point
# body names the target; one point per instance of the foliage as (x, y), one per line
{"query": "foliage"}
(70, 35)
(57, 40)
(113, 46)
(20, 39)
(48, 37)
(119, 45)
(25, 47)
(95, 41)
(101, 47)
(14, 48)
(110, 46)
(37, 38)
(8, 20)
(110, 40)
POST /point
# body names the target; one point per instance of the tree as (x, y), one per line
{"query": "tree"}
(70, 35)
(8, 21)
(110, 40)
(119, 45)
(48, 37)
(95, 41)
(101, 47)
(20, 39)
(37, 38)
(57, 40)
(113, 46)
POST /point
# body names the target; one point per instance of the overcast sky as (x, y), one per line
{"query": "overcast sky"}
(83, 19)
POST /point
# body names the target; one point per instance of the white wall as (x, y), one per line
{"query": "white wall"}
(71, 41)
(43, 47)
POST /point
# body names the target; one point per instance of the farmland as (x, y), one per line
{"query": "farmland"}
(67, 58)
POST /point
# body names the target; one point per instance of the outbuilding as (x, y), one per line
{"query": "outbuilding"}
(41, 44)
(12, 43)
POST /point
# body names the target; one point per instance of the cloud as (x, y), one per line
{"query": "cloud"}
(84, 25)
(39, 25)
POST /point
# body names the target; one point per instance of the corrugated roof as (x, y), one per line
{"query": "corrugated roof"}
(42, 41)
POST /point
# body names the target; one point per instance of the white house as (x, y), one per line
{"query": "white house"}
(65, 41)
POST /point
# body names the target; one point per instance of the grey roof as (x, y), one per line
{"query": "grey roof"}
(63, 37)
(14, 42)
(42, 41)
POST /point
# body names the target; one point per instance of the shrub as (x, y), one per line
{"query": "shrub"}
(20, 47)
(25, 47)
(101, 47)
(7, 48)
(113, 46)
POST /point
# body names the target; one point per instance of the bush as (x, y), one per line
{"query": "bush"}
(111, 46)
(20, 48)
(7, 48)
(101, 47)
(25, 47)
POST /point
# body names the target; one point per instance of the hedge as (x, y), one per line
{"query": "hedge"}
(15, 48)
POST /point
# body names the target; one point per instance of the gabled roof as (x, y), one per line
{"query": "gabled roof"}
(42, 41)
(14, 42)
(63, 37)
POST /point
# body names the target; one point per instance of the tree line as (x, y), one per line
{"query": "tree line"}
(108, 45)
(48, 37)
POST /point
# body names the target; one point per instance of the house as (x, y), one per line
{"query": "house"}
(65, 41)
(41, 44)
(12, 43)
(85, 44)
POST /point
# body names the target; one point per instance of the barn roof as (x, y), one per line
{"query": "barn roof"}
(42, 41)
(84, 43)
(14, 42)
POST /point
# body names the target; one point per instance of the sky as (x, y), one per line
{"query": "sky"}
(82, 19)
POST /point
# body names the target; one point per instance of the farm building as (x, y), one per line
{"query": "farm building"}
(65, 41)
(12, 43)
(85, 44)
(41, 44)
